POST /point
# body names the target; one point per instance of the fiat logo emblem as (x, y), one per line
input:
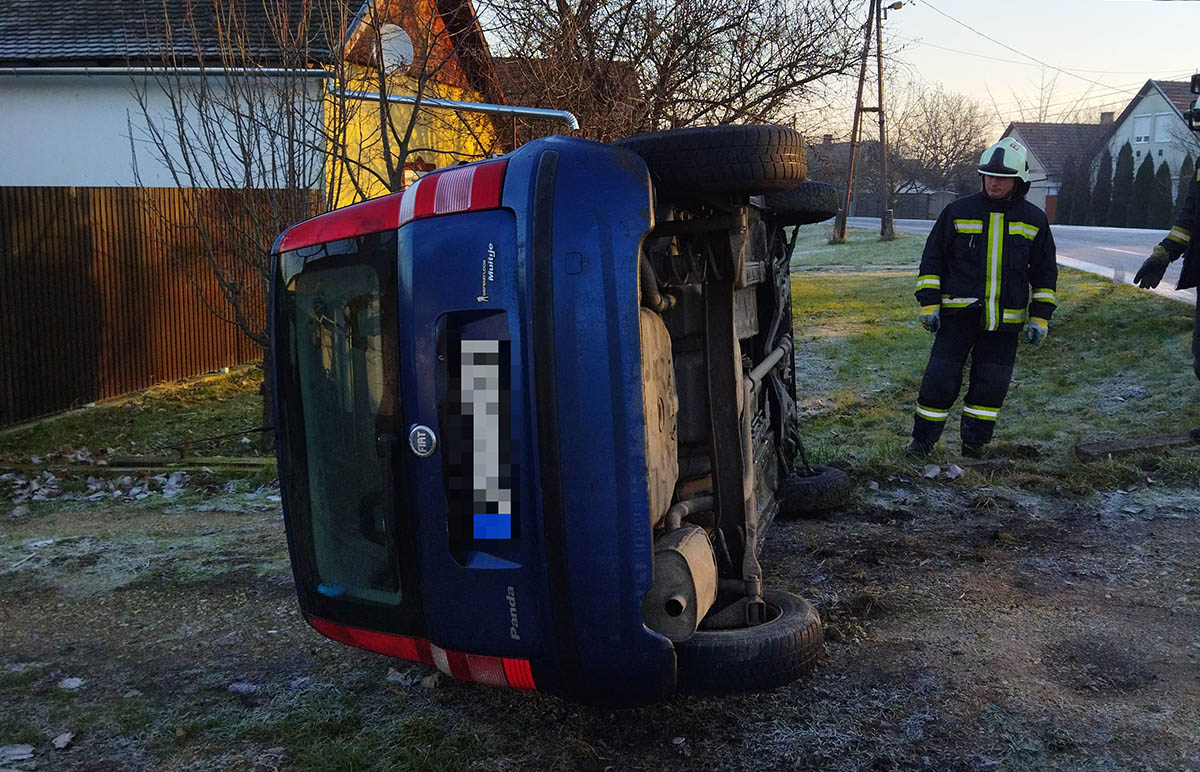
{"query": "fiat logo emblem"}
(422, 440)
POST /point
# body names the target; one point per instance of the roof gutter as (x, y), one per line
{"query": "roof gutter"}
(304, 72)
(561, 116)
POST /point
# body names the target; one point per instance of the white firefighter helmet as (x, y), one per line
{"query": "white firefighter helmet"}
(1006, 158)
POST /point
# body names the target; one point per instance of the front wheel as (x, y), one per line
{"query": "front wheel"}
(776, 652)
(823, 490)
(808, 203)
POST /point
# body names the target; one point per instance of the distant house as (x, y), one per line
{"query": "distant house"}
(1153, 124)
(828, 161)
(1051, 146)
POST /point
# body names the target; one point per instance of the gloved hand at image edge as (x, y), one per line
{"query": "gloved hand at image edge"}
(1151, 272)
(931, 317)
(1036, 330)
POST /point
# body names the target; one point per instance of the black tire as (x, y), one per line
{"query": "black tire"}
(802, 495)
(722, 159)
(805, 204)
(765, 656)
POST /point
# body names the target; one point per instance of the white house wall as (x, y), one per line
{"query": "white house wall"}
(1179, 140)
(87, 131)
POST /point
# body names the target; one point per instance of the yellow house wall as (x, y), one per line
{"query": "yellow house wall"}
(441, 137)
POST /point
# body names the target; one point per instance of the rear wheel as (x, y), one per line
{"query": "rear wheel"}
(776, 652)
(722, 159)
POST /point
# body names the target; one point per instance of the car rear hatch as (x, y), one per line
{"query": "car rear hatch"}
(396, 425)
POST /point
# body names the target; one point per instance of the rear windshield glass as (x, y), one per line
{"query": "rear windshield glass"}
(340, 412)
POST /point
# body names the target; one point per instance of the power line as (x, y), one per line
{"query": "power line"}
(923, 42)
(1014, 50)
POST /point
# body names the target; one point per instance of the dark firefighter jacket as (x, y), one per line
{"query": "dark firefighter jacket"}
(1179, 240)
(989, 254)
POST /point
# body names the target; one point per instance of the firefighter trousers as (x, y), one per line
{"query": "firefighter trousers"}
(1196, 337)
(992, 354)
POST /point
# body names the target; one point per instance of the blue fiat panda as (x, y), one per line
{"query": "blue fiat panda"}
(534, 413)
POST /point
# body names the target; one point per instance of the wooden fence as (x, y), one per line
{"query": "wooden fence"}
(103, 292)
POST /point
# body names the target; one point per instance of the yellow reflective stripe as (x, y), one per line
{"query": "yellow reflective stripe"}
(995, 253)
(968, 226)
(950, 302)
(1023, 229)
(1180, 235)
(980, 412)
(1044, 295)
(1014, 315)
(929, 281)
(932, 414)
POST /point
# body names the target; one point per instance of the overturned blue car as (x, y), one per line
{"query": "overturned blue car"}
(534, 415)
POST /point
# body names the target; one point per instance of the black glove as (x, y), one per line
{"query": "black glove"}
(1151, 272)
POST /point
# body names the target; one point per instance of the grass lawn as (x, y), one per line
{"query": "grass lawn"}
(1116, 365)
(158, 421)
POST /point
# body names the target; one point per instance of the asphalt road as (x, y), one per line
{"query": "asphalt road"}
(1113, 252)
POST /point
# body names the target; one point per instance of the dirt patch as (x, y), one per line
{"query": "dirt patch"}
(1097, 665)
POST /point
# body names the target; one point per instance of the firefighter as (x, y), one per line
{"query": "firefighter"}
(1179, 242)
(988, 270)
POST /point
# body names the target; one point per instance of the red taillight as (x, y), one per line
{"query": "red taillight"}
(462, 189)
(480, 668)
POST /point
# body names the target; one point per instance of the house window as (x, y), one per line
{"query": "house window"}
(1162, 127)
(1141, 128)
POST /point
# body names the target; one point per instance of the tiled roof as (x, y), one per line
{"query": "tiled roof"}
(1179, 92)
(1055, 143)
(87, 32)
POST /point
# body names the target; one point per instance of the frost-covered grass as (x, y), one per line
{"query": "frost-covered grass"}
(1116, 365)
(861, 248)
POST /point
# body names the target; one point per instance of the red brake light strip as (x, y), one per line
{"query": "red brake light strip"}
(479, 668)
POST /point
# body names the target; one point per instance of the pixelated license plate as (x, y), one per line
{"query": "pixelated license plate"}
(477, 415)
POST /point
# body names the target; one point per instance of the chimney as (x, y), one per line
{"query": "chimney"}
(828, 138)
(1106, 118)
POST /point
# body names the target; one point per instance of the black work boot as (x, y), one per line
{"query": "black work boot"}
(971, 450)
(1195, 434)
(918, 449)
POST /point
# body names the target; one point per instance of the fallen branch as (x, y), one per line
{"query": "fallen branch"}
(1096, 451)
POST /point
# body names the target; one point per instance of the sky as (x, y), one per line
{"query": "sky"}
(1104, 49)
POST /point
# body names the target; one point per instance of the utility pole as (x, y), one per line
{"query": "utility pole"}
(886, 227)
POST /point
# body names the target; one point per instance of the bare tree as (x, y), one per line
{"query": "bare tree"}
(254, 99)
(938, 136)
(638, 65)
(1045, 105)
(253, 110)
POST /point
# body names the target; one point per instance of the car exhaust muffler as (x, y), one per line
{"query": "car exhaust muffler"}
(685, 583)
